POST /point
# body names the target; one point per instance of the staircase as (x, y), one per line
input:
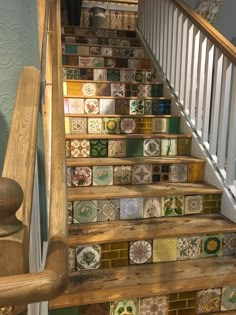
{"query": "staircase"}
(145, 231)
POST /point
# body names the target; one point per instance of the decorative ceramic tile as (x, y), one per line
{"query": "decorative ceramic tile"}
(156, 305)
(173, 206)
(117, 89)
(95, 50)
(117, 52)
(134, 64)
(83, 50)
(82, 176)
(122, 175)
(113, 75)
(160, 173)
(89, 89)
(84, 74)
(95, 125)
(131, 208)
(228, 299)
(212, 245)
(140, 252)
(71, 60)
(208, 301)
(168, 147)
(100, 75)
(127, 75)
(147, 107)
(144, 90)
(125, 307)
(128, 125)
(156, 90)
(103, 89)
(110, 62)
(69, 176)
(136, 107)
(193, 204)
(150, 76)
(102, 175)
(91, 106)
(142, 174)
(88, 257)
(85, 62)
(66, 105)
(80, 148)
(164, 250)
(229, 244)
(195, 245)
(68, 148)
(69, 74)
(97, 62)
(129, 52)
(114, 42)
(106, 51)
(182, 248)
(112, 125)
(124, 43)
(78, 125)
(178, 173)
(134, 147)
(151, 147)
(139, 76)
(116, 148)
(161, 107)
(122, 107)
(85, 211)
(70, 212)
(71, 259)
(108, 210)
(159, 125)
(152, 207)
(139, 53)
(94, 309)
(98, 148)
(107, 106)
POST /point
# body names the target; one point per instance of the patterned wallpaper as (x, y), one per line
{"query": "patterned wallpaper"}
(18, 48)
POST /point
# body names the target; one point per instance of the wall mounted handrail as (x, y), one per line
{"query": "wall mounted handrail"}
(27, 288)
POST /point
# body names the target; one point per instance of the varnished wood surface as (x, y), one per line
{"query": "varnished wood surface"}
(147, 280)
(134, 191)
(128, 230)
(133, 161)
(127, 136)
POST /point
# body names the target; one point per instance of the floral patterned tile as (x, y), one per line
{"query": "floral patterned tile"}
(71, 259)
(195, 245)
(78, 125)
(131, 208)
(97, 62)
(88, 257)
(193, 204)
(117, 89)
(208, 301)
(122, 175)
(136, 107)
(116, 148)
(159, 125)
(212, 245)
(164, 250)
(95, 50)
(107, 106)
(99, 75)
(179, 173)
(173, 206)
(80, 148)
(139, 76)
(125, 307)
(98, 148)
(228, 300)
(70, 212)
(108, 210)
(168, 147)
(95, 125)
(102, 175)
(152, 147)
(68, 148)
(182, 248)
(142, 174)
(82, 176)
(152, 207)
(85, 211)
(106, 51)
(113, 75)
(140, 252)
(91, 106)
(89, 89)
(128, 125)
(95, 309)
(112, 125)
(144, 90)
(229, 244)
(69, 176)
(127, 75)
(156, 305)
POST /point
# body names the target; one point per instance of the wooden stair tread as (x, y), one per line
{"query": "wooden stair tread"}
(130, 230)
(135, 191)
(120, 283)
(126, 136)
(133, 161)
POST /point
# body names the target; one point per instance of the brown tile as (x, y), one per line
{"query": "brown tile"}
(191, 303)
(106, 247)
(120, 245)
(196, 172)
(124, 253)
(106, 264)
(207, 197)
(111, 255)
(177, 305)
(189, 311)
(119, 262)
(173, 313)
(173, 297)
(210, 204)
(216, 197)
(187, 295)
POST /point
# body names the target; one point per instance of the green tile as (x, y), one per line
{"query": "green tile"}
(174, 125)
(156, 90)
(71, 49)
(64, 311)
(98, 148)
(134, 147)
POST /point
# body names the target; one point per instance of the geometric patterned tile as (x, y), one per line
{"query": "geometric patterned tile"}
(173, 206)
(85, 211)
(68, 148)
(108, 210)
(122, 175)
(71, 259)
(88, 257)
(142, 174)
(131, 208)
(193, 204)
(81, 176)
(107, 106)
(69, 176)
(144, 90)
(76, 105)
(89, 89)
(140, 252)
(229, 244)
(92, 309)
(208, 301)
(136, 107)
(95, 125)
(117, 89)
(182, 248)
(113, 75)
(91, 106)
(80, 148)
(195, 245)
(112, 125)
(128, 125)
(70, 212)
(156, 305)
(106, 51)
(102, 175)
(147, 107)
(125, 307)
(212, 245)
(98, 148)
(139, 76)
(116, 148)
(67, 125)
(228, 301)
(168, 147)
(152, 207)
(151, 147)
(160, 173)
(95, 50)
(164, 249)
(78, 125)
(159, 125)
(178, 172)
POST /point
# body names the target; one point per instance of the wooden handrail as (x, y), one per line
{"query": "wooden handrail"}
(41, 286)
(227, 48)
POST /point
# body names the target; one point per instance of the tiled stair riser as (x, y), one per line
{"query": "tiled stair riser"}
(98, 32)
(89, 211)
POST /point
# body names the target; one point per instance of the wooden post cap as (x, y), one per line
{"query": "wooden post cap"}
(11, 197)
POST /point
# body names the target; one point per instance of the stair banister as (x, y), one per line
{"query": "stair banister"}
(20, 287)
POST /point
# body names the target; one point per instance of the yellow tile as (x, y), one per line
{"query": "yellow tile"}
(67, 125)
(164, 250)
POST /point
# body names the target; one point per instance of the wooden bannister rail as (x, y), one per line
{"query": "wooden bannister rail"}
(19, 287)
(227, 48)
